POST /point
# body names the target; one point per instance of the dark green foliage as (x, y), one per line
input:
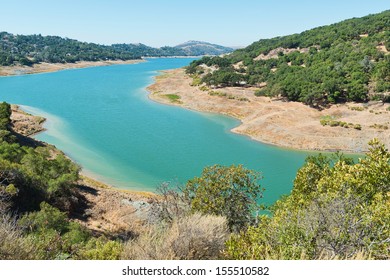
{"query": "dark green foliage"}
(232, 192)
(36, 174)
(143, 50)
(56, 237)
(35, 184)
(331, 64)
(224, 77)
(191, 48)
(5, 122)
(30, 49)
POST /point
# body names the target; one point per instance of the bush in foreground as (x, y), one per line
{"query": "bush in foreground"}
(338, 211)
(187, 238)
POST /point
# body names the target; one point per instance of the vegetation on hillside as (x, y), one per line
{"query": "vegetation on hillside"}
(191, 48)
(31, 49)
(346, 61)
(337, 209)
(197, 48)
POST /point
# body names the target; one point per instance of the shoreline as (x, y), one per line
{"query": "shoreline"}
(44, 67)
(109, 210)
(289, 125)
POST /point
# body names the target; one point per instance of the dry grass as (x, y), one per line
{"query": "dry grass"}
(193, 237)
(12, 244)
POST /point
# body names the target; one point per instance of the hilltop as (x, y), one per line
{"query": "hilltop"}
(345, 61)
(190, 48)
(198, 48)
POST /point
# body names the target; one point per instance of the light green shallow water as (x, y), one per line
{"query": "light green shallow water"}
(101, 117)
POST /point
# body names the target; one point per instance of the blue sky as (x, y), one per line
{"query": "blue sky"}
(171, 22)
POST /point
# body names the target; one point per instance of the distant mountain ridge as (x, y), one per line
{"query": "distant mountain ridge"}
(30, 49)
(190, 48)
(203, 48)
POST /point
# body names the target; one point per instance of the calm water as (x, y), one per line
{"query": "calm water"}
(101, 117)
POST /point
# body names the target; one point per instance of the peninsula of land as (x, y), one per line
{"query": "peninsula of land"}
(274, 121)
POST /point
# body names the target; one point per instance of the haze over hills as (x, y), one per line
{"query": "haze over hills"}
(30, 49)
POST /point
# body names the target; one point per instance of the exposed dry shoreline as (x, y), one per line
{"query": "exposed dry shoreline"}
(285, 124)
(53, 67)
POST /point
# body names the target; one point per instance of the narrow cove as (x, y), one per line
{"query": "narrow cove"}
(102, 118)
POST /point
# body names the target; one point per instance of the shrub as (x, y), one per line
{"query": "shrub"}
(232, 191)
(204, 88)
(196, 81)
(13, 246)
(101, 249)
(170, 205)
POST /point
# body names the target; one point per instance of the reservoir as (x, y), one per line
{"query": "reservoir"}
(101, 117)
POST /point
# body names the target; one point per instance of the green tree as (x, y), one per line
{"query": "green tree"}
(233, 192)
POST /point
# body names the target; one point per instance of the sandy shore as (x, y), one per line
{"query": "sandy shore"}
(25, 123)
(285, 124)
(53, 67)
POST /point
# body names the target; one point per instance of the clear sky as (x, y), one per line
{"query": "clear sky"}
(170, 22)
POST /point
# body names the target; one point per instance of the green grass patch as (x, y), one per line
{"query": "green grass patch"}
(173, 97)
(333, 123)
(356, 108)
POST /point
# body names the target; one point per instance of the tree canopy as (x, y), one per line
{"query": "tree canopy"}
(346, 61)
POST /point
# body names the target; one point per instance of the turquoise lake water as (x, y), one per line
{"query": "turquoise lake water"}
(102, 118)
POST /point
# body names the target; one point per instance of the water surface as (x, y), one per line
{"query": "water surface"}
(102, 118)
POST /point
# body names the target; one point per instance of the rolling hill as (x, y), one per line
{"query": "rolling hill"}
(345, 61)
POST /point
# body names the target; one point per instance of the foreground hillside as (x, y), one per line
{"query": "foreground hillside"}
(337, 209)
(346, 61)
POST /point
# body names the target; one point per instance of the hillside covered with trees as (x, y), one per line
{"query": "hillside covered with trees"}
(31, 49)
(190, 48)
(346, 61)
(338, 209)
